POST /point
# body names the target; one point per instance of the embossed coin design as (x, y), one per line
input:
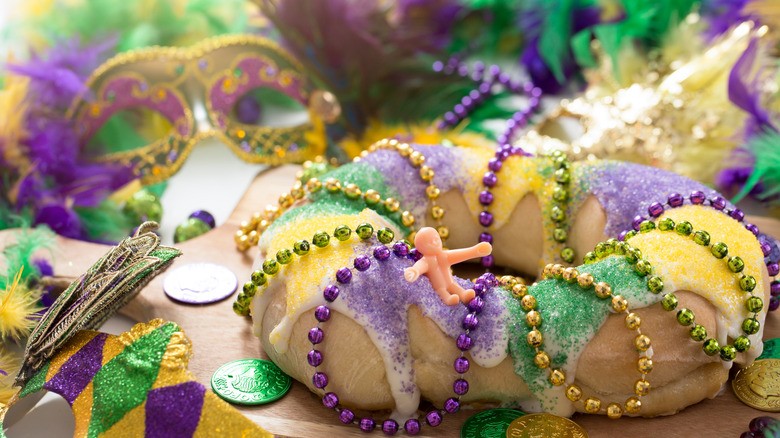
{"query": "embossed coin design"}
(771, 349)
(250, 382)
(544, 425)
(489, 424)
(200, 283)
(758, 385)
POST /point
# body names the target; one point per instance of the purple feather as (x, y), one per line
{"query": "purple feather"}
(746, 95)
(722, 15)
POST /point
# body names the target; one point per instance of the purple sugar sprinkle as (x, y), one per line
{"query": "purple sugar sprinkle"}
(433, 418)
(718, 203)
(461, 386)
(389, 427)
(330, 400)
(495, 164)
(485, 218)
(470, 321)
(362, 263)
(461, 365)
(346, 416)
(320, 380)
(343, 275)
(415, 254)
(655, 209)
(400, 249)
(322, 313)
(490, 179)
(485, 197)
(698, 197)
(331, 292)
(486, 237)
(487, 261)
(367, 424)
(773, 269)
(451, 405)
(314, 358)
(737, 214)
(675, 200)
(381, 252)
(412, 426)
(476, 304)
(464, 342)
(315, 335)
(636, 222)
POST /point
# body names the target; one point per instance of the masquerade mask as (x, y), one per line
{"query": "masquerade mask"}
(196, 90)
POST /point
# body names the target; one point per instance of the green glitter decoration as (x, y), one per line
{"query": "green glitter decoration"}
(121, 390)
(36, 382)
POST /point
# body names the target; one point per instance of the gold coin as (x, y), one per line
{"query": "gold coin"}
(544, 425)
(758, 385)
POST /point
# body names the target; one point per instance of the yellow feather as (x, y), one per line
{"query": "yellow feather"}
(10, 363)
(17, 306)
(12, 112)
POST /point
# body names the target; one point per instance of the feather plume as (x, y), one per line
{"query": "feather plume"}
(10, 363)
(18, 308)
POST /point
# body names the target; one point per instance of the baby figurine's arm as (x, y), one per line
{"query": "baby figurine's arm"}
(413, 273)
(481, 249)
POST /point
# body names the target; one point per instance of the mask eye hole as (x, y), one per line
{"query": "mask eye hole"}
(263, 106)
(129, 129)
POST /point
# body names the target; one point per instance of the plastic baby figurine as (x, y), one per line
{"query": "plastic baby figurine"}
(436, 264)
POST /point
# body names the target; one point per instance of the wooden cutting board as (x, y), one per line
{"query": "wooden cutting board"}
(219, 336)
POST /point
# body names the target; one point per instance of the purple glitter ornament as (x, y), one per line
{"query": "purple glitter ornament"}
(320, 380)
(322, 313)
(346, 416)
(675, 200)
(381, 252)
(452, 405)
(489, 179)
(400, 249)
(330, 400)
(314, 358)
(331, 292)
(486, 237)
(316, 335)
(485, 218)
(367, 424)
(463, 342)
(718, 203)
(343, 275)
(485, 197)
(412, 426)
(433, 418)
(205, 216)
(655, 209)
(476, 304)
(389, 427)
(460, 387)
(362, 263)
(697, 197)
(470, 321)
(461, 365)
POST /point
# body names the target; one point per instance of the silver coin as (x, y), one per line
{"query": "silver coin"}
(200, 283)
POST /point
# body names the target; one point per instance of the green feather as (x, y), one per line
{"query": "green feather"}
(20, 254)
(765, 147)
(104, 222)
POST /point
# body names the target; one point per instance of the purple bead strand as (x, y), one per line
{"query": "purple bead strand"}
(316, 335)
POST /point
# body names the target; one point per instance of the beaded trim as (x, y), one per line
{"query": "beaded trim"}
(560, 198)
(417, 160)
(464, 342)
(686, 317)
(619, 304)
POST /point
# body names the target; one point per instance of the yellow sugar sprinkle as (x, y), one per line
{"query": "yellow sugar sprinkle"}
(686, 265)
(306, 273)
